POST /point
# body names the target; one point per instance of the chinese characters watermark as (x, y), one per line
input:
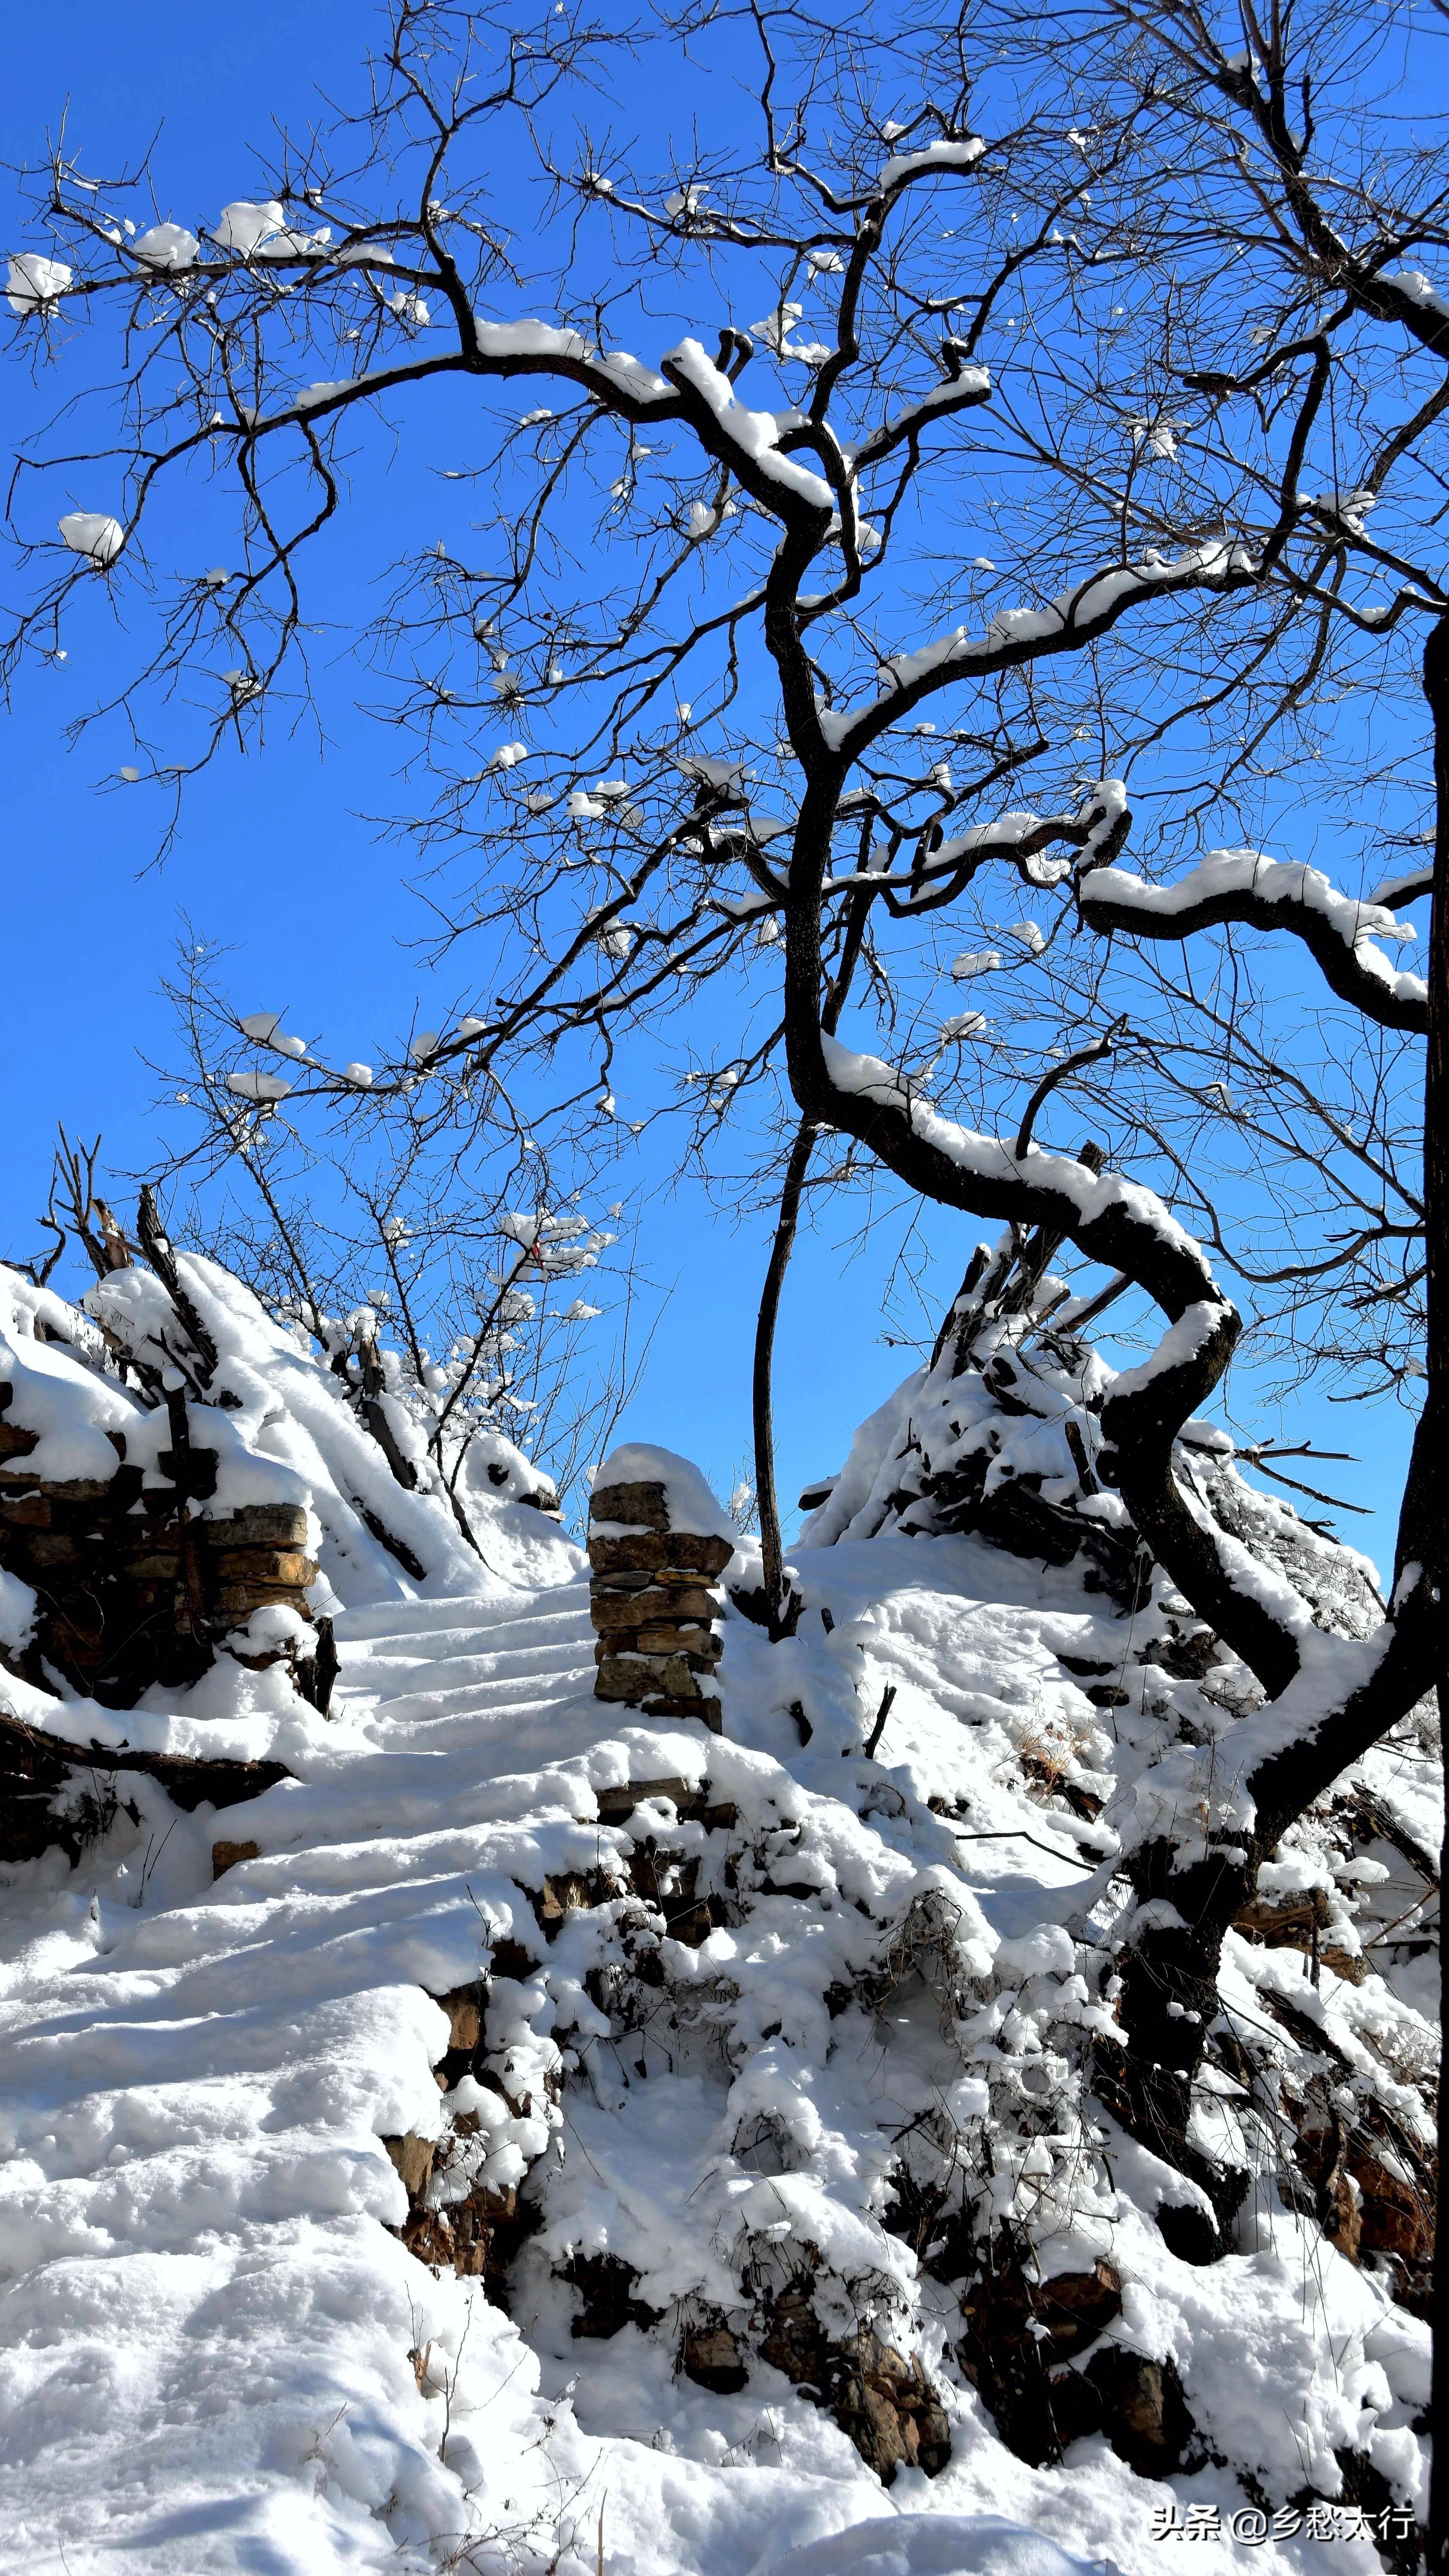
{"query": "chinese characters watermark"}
(1253, 2525)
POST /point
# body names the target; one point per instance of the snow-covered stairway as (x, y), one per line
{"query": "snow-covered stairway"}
(204, 2322)
(216, 2353)
(435, 1675)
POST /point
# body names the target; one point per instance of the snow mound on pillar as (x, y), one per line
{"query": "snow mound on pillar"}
(51, 1362)
(688, 1499)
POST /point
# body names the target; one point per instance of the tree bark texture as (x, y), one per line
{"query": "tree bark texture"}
(772, 1552)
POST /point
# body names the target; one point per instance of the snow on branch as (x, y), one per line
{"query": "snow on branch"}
(1039, 1187)
(1016, 635)
(958, 393)
(950, 153)
(1404, 889)
(1022, 838)
(1128, 1229)
(747, 441)
(539, 348)
(1266, 894)
(622, 383)
(1253, 1780)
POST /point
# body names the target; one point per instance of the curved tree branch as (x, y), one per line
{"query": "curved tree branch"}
(1242, 886)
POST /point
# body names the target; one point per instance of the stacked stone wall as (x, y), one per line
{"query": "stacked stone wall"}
(655, 1604)
(133, 1586)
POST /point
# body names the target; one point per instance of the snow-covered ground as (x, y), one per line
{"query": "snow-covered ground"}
(214, 2354)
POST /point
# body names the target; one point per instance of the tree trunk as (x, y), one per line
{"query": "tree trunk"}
(1424, 1523)
(1170, 1972)
(772, 1552)
(1168, 2004)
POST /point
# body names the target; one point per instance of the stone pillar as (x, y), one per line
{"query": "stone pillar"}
(653, 1591)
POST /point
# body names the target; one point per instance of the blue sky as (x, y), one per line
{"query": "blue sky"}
(277, 861)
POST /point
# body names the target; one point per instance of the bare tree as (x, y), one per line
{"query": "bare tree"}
(365, 1230)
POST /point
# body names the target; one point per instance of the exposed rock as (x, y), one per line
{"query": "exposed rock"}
(413, 2159)
(133, 1587)
(650, 1552)
(642, 1505)
(1144, 2413)
(1137, 2403)
(464, 2008)
(508, 1958)
(1188, 1653)
(476, 2232)
(225, 1856)
(885, 2403)
(1298, 1923)
(478, 2237)
(58, 1795)
(1190, 2232)
(617, 1804)
(668, 1686)
(1373, 2194)
(1396, 2211)
(653, 1607)
(668, 1880)
(559, 1896)
(606, 2287)
(1402, 2544)
(711, 2356)
(1018, 2333)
